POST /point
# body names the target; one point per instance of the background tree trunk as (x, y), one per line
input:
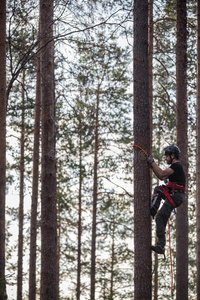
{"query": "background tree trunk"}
(142, 194)
(2, 143)
(32, 267)
(79, 216)
(21, 202)
(182, 142)
(49, 288)
(95, 196)
(198, 152)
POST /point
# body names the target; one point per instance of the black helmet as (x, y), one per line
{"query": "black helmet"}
(173, 149)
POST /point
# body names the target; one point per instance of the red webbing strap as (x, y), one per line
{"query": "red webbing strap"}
(168, 196)
(176, 186)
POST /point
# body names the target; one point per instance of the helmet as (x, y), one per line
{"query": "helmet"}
(173, 149)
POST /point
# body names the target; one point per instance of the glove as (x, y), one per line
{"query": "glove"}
(150, 160)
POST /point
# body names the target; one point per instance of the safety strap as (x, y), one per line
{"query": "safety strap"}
(174, 186)
(169, 197)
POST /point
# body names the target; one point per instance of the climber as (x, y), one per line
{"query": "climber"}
(173, 192)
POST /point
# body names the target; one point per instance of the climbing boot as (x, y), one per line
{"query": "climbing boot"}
(158, 249)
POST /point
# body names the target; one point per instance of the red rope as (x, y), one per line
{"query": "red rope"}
(142, 151)
(170, 261)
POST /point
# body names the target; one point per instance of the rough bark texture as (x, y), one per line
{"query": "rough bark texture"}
(142, 196)
(151, 67)
(2, 143)
(182, 142)
(32, 268)
(49, 289)
(198, 152)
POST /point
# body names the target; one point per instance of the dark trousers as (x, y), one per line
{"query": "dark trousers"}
(165, 212)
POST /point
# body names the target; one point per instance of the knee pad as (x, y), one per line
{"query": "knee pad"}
(155, 204)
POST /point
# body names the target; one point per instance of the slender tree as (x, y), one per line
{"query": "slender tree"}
(95, 196)
(21, 202)
(142, 195)
(32, 268)
(49, 289)
(182, 142)
(3, 143)
(198, 153)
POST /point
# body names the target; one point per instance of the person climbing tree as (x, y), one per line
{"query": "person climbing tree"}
(173, 192)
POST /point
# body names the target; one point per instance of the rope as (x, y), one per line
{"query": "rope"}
(170, 261)
(142, 151)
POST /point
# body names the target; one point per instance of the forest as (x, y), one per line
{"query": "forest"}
(81, 82)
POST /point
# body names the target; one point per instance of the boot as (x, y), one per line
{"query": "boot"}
(158, 249)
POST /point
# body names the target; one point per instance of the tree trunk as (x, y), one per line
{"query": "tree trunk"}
(49, 285)
(182, 142)
(142, 194)
(32, 266)
(2, 144)
(80, 217)
(95, 196)
(21, 202)
(198, 153)
(151, 67)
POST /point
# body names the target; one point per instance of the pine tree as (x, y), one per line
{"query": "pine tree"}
(198, 153)
(142, 226)
(49, 289)
(182, 142)
(2, 145)
(35, 183)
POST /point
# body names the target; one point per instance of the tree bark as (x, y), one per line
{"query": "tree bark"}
(21, 202)
(2, 144)
(198, 153)
(32, 266)
(142, 195)
(182, 142)
(49, 284)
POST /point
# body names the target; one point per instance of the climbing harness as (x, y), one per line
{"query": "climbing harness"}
(169, 189)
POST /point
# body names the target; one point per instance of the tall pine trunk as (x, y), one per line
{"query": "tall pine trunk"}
(49, 284)
(32, 263)
(142, 194)
(79, 215)
(95, 197)
(198, 152)
(182, 142)
(2, 144)
(21, 202)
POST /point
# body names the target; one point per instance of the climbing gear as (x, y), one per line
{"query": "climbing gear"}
(150, 160)
(173, 149)
(155, 204)
(158, 249)
(169, 190)
(142, 151)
